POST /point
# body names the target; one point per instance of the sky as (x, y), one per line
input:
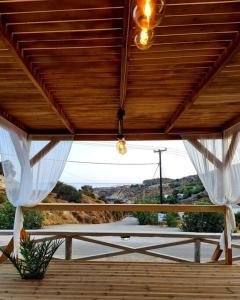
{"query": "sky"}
(175, 163)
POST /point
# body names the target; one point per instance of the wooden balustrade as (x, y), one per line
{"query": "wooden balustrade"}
(196, 238)
(180, 238)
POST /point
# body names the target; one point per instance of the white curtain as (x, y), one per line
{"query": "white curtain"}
(26, 184)
(216, 159)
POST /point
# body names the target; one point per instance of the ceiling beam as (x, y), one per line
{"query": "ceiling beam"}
(110, 135)
(6, 37)
(232, 122)
(13, 120)
(127, 29)
(203, 83)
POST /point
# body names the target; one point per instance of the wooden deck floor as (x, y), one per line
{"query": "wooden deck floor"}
(130, 281)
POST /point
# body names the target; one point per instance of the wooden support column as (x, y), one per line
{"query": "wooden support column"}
(68, 248)
(228, 249)
(197, 250)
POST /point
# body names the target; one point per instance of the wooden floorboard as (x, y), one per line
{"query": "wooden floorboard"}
(124, 281)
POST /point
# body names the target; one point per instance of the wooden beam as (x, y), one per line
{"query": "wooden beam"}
(232, 122)
(44, 151)
(13, 120)
(206, 153)
(5, 36)
(127, 28)
(203, 83)
(127, 207)
(131, 135)
(231, 149)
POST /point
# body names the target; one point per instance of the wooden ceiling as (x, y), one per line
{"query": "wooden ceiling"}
(66, 66)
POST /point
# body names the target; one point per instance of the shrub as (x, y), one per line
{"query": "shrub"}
(3, 198)
(118, 215)
(32, 219)
(171, 219)
(68, 192)
(146, 218)
(203, 222)
(88, 191)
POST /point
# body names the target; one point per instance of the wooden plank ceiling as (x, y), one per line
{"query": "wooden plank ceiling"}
(66, 66)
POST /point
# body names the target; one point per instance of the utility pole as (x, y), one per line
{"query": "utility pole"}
(159, 151)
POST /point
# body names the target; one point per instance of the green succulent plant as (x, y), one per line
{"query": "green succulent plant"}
(34, 257)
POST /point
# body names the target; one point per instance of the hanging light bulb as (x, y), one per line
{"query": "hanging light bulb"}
(143, 39)
(147, 14)
(121, 146)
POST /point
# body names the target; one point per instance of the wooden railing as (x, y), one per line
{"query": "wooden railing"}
(179, 238)
(195, 238)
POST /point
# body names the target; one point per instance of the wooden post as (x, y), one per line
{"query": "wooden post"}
(68, 247)
(197, 250)
(217, 253)
(228, 251)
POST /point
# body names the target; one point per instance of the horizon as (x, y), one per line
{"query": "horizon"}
(100, 165)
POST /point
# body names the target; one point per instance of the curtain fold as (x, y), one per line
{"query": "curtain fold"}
(28, 185)
(216, 159)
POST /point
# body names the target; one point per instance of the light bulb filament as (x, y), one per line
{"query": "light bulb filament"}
(147, 10)
(144, 37)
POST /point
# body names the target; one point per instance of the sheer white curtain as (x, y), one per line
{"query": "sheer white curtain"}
(216, 159)
(28, 184)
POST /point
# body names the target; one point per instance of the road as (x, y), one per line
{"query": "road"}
(129, 224)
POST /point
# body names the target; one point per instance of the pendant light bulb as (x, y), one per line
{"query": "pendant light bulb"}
(121, 146)
(143, 39)
(147, 14)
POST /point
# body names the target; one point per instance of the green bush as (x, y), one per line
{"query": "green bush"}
(32, 219)
(146, 218)
(88, 191)
(3, 198)
(171, 219)
(203, 222)
(67, 192)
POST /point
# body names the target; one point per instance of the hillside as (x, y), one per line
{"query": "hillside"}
(66, 217)
(185, 190)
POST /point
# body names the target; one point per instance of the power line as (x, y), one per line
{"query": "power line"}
(138, 147)
(155, 172)
(110, 163)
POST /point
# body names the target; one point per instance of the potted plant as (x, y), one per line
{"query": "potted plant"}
(34, 257)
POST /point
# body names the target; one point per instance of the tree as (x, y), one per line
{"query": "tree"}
(203, 222)
(88, 190)
(68, 192)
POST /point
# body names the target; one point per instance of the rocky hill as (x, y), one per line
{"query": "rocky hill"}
(66, 217)
(186, 189)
